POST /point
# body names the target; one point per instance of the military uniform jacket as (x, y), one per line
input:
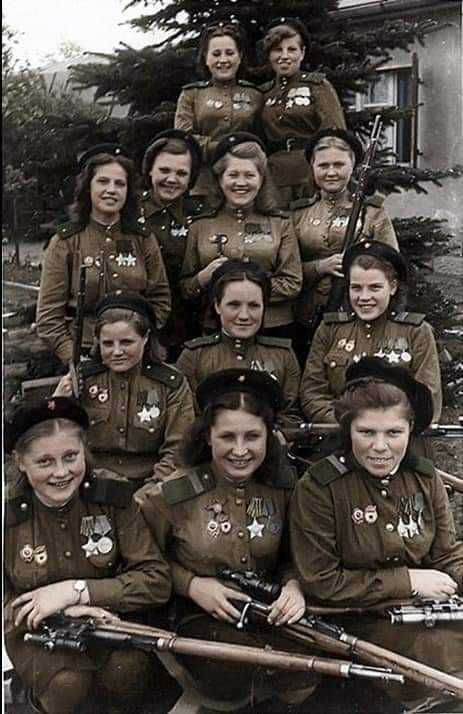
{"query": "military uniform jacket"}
(202, 522)
(403, 339)
(267, 239)
(320, 225)
(296, 108)
(354, 536)
(46, 545)
(137, 418)
(114, 260)
(205, 355)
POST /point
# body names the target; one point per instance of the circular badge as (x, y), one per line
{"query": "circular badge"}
(213, 528)
(93, 391)
(225, 527)
(103, 397)
(406, 357)
(357, 516)
(104, 545)
(27, 553)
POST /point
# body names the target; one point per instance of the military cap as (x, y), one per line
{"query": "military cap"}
(107, 148)
(347, 136)
(261, 384)
(377, 250)
(375, 369)
(29, 414)
(158, 144)
(126, 300)
(236, 265)
(293, 22)
(231, 140)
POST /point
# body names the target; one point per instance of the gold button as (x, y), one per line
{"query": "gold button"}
(151, 430)
(67, 553)
(384, 493)
(333, 364)
(115, 275)
(86, 484)
(92, 422)
(63, 526)
(24, 507)
(240, 357)
(121, 429)
(112, 256)
(240, 534)
(244, 559)
(389, 527)
(123, 385)
(108, 240)
(368, 336)
(239, 501)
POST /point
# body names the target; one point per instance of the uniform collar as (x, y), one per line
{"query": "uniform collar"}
(337, 199)
(54, 511)
(238, 213)
(105, 230)
(237, 344)
(409, 461)
(285, 82)
(377, 324)
(231, 84)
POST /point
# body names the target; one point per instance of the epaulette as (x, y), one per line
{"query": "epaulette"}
(203, 341)
(425, 466)
(279, 212)
(303, 202)
(66, 230)
(266, 86)
(201, 84)
(245, 83)
(329, 469)
(140, 228)
(208, 213)
(193, 207)
(316, 77)
(184, 488)
(408, 318)
(376, 200)
(165, 373)
(274, 342)
(103, 486)
(89, 369)
(18, 509)
(330, 318)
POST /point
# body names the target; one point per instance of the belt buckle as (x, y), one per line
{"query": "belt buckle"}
(289, 142)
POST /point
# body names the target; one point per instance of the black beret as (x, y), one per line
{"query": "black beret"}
(29, 414)
(419, 395)
(347, 136)
(256, 382)
(112, 149)
(234, 139)
(159, 142)
(236, 265)
(377, 250)
(126, 300)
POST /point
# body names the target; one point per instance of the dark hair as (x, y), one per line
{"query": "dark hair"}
(367, 393)
(178, 147)
(140, 323)
(243, 271)
(232, 30)
(371, 262)
(81, 208)
(284, 31)
(195, 448)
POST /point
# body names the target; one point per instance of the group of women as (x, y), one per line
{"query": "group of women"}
(137, 494)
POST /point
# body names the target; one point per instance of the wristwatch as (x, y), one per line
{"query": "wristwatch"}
(79, 586)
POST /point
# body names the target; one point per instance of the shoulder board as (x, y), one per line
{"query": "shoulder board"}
(425, 466)
(274, 342)
(197, 85)
(303, 202)
(316, 77)
(165, 373)
(408, 318)
(184, 488)
(18, 509)
(267, 86)
(66, 230)
(105, 487)
(192, 207)
(140, 229)
(377, 200)
(328, 470)
(208, 213)
(330, 318)
(278, 212)
(245, 83)
(89, 369)
(203, 341)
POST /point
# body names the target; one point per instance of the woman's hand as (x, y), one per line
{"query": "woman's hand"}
(205, 275)
(98, 613)
(432, 584)
(36, 605)
(289, 607)
(331, 265)
(64, 387)
(214, 597)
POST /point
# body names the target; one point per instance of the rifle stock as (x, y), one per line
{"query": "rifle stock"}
(74, 366)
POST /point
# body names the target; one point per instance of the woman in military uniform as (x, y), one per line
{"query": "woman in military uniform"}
(227, 507)
(372, 522)
(170, 168)
(239, 293)
(376, 326)
(296, 104)
(221, 104)
(74, 541)
(320, 222)
(138, 406)
(247, 226)
(105, 236)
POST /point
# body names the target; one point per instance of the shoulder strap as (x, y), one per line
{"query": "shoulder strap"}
(198, 85)
(165, 373)
(316, 77)
(304, 202)
(203, 341)
(278, 212)
(274, 342)
(330, 318)
(103, 487)
(376, 200)
(66, 230)
(425, 466)
(245, 83)
(89, 369)
(408, 318)
(184, 488)
(267, 86)
(329, 469)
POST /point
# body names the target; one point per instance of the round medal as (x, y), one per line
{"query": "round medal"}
(406, 357)
(27, 553)
(104, 545)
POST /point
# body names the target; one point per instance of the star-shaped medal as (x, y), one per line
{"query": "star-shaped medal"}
(130, 260)
(255, 529)
(182, 232)
(89, 547)
(393, 357)
(144, 414)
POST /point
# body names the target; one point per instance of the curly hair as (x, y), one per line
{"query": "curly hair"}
(232, 30)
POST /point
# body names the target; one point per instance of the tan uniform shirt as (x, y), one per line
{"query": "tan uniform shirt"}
(114, 260)
(45, 545)
(206, 355)
(403, 339)
(203, 522)
(320, 225)
(296, 108)
(267, 239)
(137, 418)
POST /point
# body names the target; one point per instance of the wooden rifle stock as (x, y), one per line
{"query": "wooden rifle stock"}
(79, 328)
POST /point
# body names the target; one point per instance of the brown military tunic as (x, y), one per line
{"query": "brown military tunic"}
(267, 239)
(320, 224)
(403, 339)
(205, 355)
(114, 260)
(295, 108)
(46, 545)
(210, 110)
(170, 225)
(354, 537)
(137, 418)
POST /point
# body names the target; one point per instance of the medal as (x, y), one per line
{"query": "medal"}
(315, 221)
(274, 526)
(89, 547)
(87, 526)
(93, 391)
(350, 345)
(104, 545)
(27, 553)
(406, 357)
(218, 105)
(144, 414)
(255, 529)
(102, 525)
(154, 412)
(342, 343)
(393, 357)
(88, 261)
(213, 529)
(357, 516)
(225, 527)
(103, 396)
(40, 555)
(371, 514)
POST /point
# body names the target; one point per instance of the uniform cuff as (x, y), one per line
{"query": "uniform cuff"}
(181, 579)
(105, 593)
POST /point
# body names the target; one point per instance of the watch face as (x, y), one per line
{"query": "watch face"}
(80, 585)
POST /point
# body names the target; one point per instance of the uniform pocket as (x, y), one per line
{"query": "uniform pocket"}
(336, 364)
